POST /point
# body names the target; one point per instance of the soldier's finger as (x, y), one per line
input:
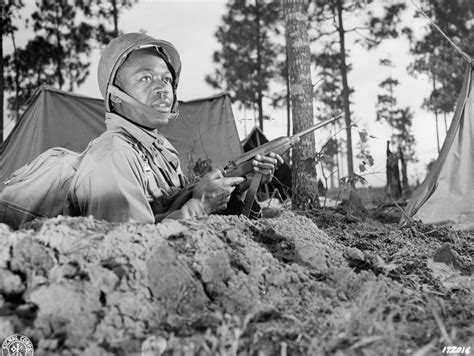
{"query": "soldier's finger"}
(277, 157)
(259, 160)
(265, 166)
(232, 181)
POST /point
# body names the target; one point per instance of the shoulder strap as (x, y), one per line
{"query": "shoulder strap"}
(106, 133)
(128, 138)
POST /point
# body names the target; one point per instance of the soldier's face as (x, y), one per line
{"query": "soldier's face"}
(146, 77)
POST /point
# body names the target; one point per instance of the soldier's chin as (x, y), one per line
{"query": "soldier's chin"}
(162, 118)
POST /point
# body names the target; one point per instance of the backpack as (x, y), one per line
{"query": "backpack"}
(39, 189)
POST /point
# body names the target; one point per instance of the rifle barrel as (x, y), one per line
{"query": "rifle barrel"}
(317, 126)
(250, 154)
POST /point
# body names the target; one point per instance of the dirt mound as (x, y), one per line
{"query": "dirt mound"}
(215, 285)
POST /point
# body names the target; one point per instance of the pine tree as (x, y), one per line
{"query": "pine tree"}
(59, 54)
(435, 57)
(103, 12)
(330, 33)
(304, 178)
(9, 11)
(248, 58)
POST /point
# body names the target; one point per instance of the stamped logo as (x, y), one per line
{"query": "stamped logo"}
(17, 345)
(458, 350)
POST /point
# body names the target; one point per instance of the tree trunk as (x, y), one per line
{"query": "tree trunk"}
(394, 188)
(17, 78)
(437, 129)
(331, 175)
(445, 123)
(115, 15)
(259, 67)
(288, 101)
(59, 50)
(403, 164)
(305, 192)
(433, 77)
(345, 89)
(2, 80)
(338, 165)
(388, 169)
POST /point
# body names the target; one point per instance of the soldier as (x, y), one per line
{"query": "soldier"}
(132, 172)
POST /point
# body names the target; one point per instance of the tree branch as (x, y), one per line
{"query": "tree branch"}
(322, 34)
(355, 29)
(365, 37)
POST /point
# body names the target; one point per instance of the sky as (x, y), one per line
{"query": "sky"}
(191, 24)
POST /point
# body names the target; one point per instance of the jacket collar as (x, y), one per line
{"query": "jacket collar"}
(151, 140)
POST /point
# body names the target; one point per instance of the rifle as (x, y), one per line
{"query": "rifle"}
(242, 165)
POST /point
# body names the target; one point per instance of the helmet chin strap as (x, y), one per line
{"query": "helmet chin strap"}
(161, 117)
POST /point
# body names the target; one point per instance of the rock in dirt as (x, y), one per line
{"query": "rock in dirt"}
(10, 283)
(445, 266)
(354, 254)
(446, 255)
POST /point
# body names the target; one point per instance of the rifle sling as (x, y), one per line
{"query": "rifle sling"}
(251, 193)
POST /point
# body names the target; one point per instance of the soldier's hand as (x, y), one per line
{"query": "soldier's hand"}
(214, 190)
(267, 165)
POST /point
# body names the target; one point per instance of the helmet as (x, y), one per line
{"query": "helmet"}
(115, 54)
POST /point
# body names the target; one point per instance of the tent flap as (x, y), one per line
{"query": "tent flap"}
(447, 194)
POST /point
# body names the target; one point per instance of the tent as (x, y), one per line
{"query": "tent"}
(447, 193)
(255, 138)
(205, 130)
(282, 183)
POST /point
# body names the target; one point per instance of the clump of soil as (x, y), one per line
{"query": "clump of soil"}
(229, 285)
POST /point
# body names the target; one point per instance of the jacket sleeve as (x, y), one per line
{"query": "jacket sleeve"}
(192, 208)
(113, 188)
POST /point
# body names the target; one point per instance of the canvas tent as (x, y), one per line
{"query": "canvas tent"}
(205, 129)
(447, 193)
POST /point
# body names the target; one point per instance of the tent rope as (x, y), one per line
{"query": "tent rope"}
(456, 47)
